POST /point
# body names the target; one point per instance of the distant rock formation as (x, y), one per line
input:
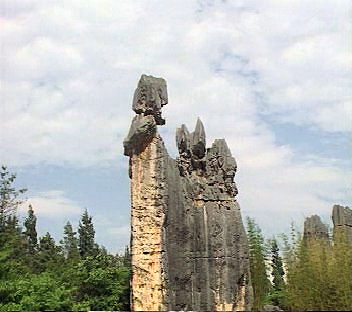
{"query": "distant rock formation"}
(188, 244)
(342, 219)
(315, 229)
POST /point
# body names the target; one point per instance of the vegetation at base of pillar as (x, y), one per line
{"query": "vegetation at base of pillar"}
(37, 274)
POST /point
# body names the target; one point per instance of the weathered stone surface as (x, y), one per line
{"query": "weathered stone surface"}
(315, 229)
(149, 97)
(188, 244)
(342, 219)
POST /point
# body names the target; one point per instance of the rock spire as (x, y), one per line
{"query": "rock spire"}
(342, 219)
(189, 249)
(315, 229)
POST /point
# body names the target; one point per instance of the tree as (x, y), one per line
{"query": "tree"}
(290, 246)
(87, 246)
(320, 276)
(103, 283)
(70, 243)
(49, 254)
(259, 278)
(30, 231)
(341, 270)
(9, 197)
(127, 257)
(35, 292)
(277, 271)
(277, 274)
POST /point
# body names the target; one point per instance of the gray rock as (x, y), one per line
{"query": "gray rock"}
(150, 96)
(315, 229)
(189, 248)
(198, 140)
(142, 130)
(342, 220)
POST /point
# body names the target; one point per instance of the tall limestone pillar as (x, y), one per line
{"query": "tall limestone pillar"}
(188, 245)
(342, 219)
(315, 229)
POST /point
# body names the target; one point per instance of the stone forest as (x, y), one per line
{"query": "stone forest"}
(189, 250)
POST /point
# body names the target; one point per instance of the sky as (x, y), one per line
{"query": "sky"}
(271, 77)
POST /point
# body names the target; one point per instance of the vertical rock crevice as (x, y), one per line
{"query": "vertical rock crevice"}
(188, 244)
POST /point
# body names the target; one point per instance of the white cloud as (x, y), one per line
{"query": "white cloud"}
(52, 204)
(69, 69)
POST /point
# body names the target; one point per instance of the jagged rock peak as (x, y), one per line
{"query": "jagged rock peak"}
(198, 140)
(191, 144)
(150, 96)
(220, 147)
(183, 140)
(314, 228)
(192, 148)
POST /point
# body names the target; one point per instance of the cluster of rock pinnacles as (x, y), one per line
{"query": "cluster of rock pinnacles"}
(341, 216)
(189, 249)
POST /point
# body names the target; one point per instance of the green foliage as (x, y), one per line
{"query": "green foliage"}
(86, 236)
(70, 243)
(277, 271)
(290, 246)
(49, 255)
(44, 276)
(320, 278)
(9, 197)
(35, 292)
(99, 282)
(257, 252)
(276, 293)
(12, 251)
(31, 231)
(127, 257)
(103, 283)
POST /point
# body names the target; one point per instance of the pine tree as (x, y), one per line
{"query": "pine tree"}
(12, 249)
(30, 231)
(277, 273)
(127, 257)
(277, 270)
(70, 243)
(259, 278)
(49, 253)
(87, 246)
(9, 197)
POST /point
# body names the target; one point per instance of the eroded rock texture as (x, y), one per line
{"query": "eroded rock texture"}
(188, 244)
(315, 229)
(342, 219)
